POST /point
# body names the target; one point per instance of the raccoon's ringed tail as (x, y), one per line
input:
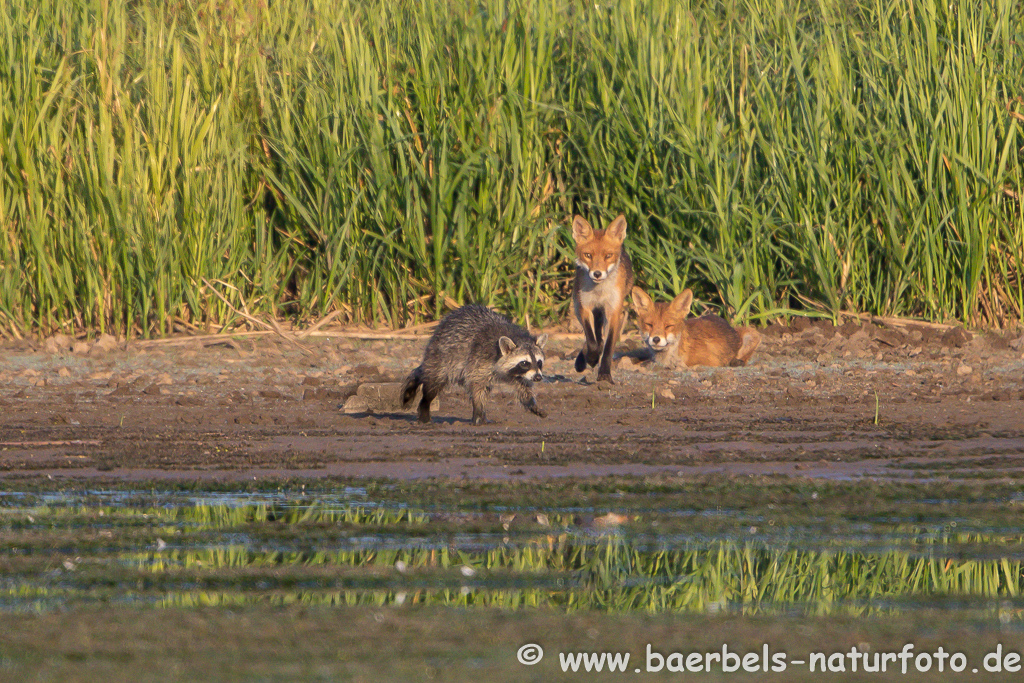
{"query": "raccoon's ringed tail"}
(411, 384)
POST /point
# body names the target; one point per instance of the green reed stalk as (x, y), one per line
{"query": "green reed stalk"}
(390, 159)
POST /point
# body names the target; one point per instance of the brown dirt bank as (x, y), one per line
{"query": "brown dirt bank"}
(948, 405)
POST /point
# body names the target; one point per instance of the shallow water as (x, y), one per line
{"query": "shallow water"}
(343, 547)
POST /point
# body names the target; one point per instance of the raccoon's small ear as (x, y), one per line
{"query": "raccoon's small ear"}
(506, 345)
(680, 306)
(617, 229)
(581, 230)
(641, 302)
(542, 340)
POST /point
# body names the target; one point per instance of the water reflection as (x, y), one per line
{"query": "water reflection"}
(285, 552)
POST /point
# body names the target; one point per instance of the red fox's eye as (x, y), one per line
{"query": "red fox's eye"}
(586, 255)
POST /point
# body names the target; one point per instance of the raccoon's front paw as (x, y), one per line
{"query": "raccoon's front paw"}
(479, 420)
(581, 362)
(605, 377)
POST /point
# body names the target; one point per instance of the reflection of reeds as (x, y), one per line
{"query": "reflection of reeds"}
(319, 553)
(610, 574)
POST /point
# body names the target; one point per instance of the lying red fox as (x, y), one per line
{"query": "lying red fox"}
(677, 340)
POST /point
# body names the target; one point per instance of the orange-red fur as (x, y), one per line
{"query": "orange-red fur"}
(604, 277)
(678, 340)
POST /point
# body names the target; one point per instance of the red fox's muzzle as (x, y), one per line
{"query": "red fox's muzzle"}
(598, 275)
(656, 341)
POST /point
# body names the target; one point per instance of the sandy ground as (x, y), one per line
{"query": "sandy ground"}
(891, 400)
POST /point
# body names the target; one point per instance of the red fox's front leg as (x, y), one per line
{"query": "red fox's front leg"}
(590, 354)
(604, 372)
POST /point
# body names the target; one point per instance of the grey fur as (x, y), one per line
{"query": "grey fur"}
(475, 347)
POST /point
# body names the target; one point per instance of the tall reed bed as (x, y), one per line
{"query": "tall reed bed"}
(389, 159)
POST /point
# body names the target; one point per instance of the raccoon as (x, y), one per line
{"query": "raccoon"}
(475, 347)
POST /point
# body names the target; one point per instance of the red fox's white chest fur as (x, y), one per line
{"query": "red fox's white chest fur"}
(680, 341)
(604, 276)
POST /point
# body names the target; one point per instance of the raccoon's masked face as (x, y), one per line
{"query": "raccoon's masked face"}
(524, 361)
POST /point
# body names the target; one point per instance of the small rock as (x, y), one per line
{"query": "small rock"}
(80, 348)
(956, 337)
(799, 323)
(356, 404)
(270, 393)
(58, 343)
(667, 393)
(123, 389)
(849, 328)
(964, 369)
(366, 371)
(153, 390)
(64, 372)
(889, 337)
(105, 344)
(164, 378)
(626, 363)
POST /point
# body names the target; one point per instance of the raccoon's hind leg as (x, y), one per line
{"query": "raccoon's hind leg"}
(524, 392)
(430, 392)
(478, 392)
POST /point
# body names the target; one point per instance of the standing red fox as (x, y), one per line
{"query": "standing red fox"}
(604, 276)
(676, 340)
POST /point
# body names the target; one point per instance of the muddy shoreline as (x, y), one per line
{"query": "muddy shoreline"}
(817, 401)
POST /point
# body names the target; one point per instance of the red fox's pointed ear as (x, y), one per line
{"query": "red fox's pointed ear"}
(641, 302)
(680, 306)
(617, 229)
(581, 230)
